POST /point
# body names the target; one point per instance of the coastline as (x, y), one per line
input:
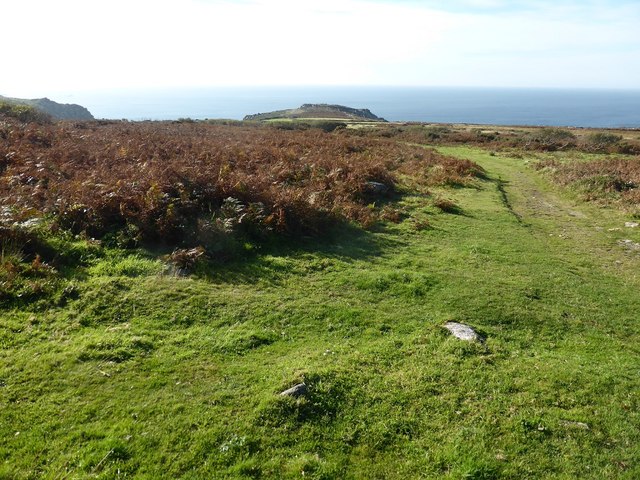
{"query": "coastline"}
(504, 107)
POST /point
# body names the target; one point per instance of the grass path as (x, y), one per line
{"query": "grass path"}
(146, 375)
(591, 230)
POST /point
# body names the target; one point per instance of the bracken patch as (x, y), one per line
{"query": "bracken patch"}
(194, 183)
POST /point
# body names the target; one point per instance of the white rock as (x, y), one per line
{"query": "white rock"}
(463, 332)
(631, 224)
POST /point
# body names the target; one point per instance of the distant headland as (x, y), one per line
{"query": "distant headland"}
(319, 111)
(58, 111)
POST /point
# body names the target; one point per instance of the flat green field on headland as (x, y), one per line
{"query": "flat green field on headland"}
(128, 353)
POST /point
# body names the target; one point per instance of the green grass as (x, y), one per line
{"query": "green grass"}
(150, 375)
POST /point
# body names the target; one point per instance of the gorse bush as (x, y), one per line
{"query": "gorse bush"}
(188, 184)
(23, 113)
(550, 139)
(603, 138)
(605, 142)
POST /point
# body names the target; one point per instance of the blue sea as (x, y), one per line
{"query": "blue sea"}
(498, 106)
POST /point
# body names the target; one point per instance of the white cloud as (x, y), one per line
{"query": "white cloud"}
(75, 44)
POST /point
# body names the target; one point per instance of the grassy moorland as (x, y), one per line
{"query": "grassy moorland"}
(149, 323)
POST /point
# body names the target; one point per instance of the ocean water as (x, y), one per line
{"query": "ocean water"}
(499, 106)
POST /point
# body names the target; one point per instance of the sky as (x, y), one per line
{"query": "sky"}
(91, 45)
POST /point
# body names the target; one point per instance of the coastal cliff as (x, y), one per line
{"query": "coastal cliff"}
(58, 111)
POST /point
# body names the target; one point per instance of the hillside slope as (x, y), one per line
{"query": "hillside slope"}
(59, 111)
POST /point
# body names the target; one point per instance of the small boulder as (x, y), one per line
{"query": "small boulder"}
(630, 244)
(631, 224)
(377, 188)
(572, 424)
(295, 391)
(463, 332)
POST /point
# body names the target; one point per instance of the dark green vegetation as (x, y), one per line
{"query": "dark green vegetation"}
(120, 366)
(23, 113)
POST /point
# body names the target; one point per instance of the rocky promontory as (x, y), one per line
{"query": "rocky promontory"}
(319, 111)
(58, 111)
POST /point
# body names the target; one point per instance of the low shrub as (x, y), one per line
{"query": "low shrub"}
(610, 179)
(189, 184)
(23, 113)
(549, 139)
(606, 142)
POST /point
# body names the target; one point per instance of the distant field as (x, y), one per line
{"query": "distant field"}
(161, 283)
(349, 122)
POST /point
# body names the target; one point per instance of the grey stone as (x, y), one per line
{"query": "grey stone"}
(572, 424)
(295, 391)
(377, 188)
(463, 332)
(630, 244)
(631, 224)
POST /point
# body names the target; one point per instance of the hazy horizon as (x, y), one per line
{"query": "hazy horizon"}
(559, 107)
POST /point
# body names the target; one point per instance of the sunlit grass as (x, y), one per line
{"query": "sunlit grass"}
(148, 374)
